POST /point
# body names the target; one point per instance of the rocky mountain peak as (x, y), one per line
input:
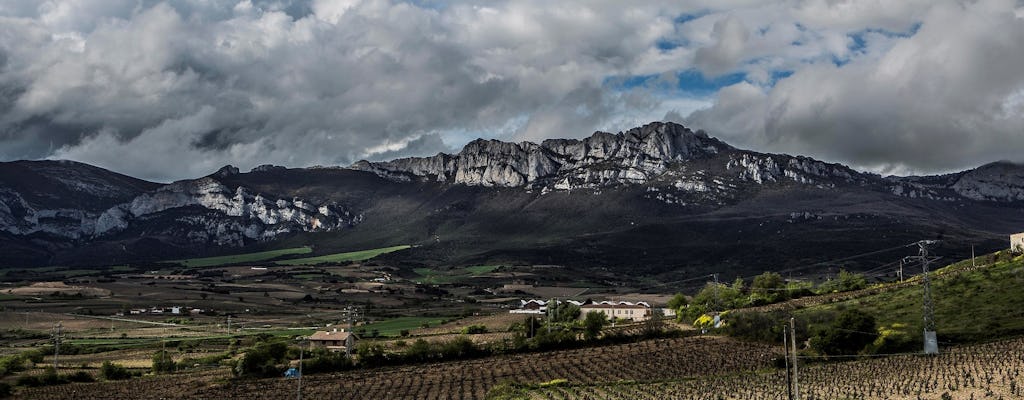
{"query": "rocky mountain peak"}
(603, 157)
(226, 170)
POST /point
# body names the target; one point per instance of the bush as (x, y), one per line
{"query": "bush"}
(474, 330)
(327, 362)
(755, 326)
(49, 377)
(850, 333)
(5, 390)
(80, 376)
(114, 372)
(11, 363)
(846, 281)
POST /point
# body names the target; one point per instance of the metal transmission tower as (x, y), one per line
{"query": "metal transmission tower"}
(931, 343)
(57, 336)
(351, 314)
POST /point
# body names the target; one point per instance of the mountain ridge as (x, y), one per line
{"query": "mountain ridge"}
(562, 200)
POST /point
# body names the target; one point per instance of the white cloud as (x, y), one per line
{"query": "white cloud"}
(304, 82)
(942, 99)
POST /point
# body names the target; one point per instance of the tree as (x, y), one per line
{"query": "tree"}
(592, 324)
(262, 360)
(768, 288)
(162, 362)
(849, 333)
(563, 312)
(677, 302)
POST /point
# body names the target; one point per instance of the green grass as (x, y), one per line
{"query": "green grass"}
(242, 258)
(435, 277)
(308, 276)
(969, 306)
(343, 257)
(481, 269)
(393, 327)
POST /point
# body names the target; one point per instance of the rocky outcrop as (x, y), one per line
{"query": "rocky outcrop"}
(601, 159)
(999, 181)
(228, 216)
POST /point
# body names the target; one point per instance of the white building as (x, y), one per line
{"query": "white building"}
(1017, 243)
(639, 311)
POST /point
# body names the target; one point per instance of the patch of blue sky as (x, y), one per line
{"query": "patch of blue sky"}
(690, 82)
(859, 40)
(668, 44)
(687, 17)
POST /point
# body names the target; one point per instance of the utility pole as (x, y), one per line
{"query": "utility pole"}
(785, 346)
(716, 292)
(973, 265)
(300, 366)
(901, 271)
(56, 344)
(796, 376)
(229, 323)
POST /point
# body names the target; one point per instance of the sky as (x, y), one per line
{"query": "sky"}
(166, 90)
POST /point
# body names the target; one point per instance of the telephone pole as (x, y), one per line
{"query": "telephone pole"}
(901, 271)
(716, 292)
(796, 376)
(785, 346)
(301, 350)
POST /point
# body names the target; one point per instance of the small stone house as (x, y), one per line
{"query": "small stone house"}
(333, 340)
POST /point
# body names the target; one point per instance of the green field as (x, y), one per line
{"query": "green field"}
(242, 258)
(436, 277)
(969, 305)
(343, 257)
(393, 327)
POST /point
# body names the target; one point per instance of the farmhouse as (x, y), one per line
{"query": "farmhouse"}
(333, 340)
(1017, 243)
(639, 311)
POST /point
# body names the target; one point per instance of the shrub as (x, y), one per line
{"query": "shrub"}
(11, 363)
(474, 330)
(80, 376)
(114, 372)
(327, 362)
(5, 390)
(848, 334)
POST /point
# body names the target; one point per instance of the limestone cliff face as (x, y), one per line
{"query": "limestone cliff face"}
(1000, 181)
(223, 215)
(630, 157)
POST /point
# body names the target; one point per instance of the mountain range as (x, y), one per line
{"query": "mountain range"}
(657, 199)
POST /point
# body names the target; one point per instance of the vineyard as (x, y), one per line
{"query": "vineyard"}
(987, 371)
(652, 360)
(682, 368)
